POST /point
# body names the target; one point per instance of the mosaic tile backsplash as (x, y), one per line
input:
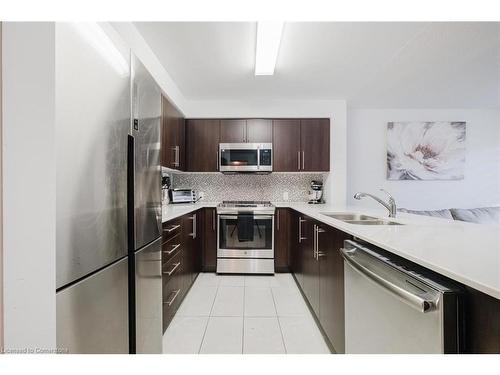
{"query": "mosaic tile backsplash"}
(218, 187)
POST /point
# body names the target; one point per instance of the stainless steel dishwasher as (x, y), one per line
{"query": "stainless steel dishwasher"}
(394, 306)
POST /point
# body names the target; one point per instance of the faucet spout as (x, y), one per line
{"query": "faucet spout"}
(390, 205)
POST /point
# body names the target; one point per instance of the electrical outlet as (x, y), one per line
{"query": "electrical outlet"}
(201, 195)
(285, 195)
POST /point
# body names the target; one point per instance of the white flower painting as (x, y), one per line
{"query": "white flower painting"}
(425, 150)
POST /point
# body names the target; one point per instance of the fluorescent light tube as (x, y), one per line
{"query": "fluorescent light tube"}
(267, 46)
(99, 40)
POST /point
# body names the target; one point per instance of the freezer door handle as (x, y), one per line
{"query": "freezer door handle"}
(423, 305)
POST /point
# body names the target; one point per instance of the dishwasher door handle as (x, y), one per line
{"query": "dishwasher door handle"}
(423, 305)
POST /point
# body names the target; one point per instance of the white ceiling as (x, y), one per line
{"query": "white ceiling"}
(367, 64)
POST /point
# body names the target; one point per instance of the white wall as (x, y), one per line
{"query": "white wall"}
(366, 144)
(29, 178)
(335, 186)
(131, 36)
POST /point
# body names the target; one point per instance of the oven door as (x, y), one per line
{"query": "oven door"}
(262, 246)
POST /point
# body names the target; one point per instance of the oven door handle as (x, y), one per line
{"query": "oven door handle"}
(255, 217)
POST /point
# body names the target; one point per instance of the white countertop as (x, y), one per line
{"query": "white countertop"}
(465, 252)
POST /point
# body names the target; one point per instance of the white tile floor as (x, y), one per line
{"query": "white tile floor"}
(243, 314)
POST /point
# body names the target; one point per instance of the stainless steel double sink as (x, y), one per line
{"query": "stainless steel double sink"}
(359, 219)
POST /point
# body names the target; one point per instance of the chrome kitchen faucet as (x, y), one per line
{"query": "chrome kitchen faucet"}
(390, 205)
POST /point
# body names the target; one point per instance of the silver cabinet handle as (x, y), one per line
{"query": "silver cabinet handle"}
(298, 160)
(421, 304)
(177, 157)
(174, 227)
(176, 162)
(303, 160)
(174, 247)
(315, 232)
(278, 219)
(171, 300)
(213, 220)
(169, 273)
(218, 161)
(319, 253)
(300, 230)
(193, 234)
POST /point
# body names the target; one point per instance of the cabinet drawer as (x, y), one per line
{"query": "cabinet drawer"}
(172, 267)
(171, 229)
(170, 248)
(172, 297)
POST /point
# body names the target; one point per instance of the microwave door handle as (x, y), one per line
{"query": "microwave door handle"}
(258, 157)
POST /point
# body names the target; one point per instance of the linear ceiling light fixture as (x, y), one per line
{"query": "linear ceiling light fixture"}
(267, 46)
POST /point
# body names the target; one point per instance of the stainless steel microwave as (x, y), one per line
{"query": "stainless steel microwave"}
(245, 157)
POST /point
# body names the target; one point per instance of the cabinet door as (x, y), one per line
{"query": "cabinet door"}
(315, 144)
(187, 250)
(172, 137)
(209, 240)
(286, 145)
(181, 134)
(304, 253)
(281, 240)
(202, 145)
(293, 241)
(232, 131)
(331, 285)
(259, 131)
(310, 266)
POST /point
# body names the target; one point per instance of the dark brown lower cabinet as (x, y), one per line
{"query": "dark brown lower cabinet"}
(209, 263)
(482, 323)
(300, 245)
(281, 240)
(310, 265)
(181, 260)
(318, 267)
(293, 255)
(191, 229)
(331, 284)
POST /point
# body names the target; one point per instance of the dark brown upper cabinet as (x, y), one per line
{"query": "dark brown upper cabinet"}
(246, 131)
(233, 131)
(173, 149)
(315, 145)
(301, 145)
(286, 145)
(259, 131)
(202, 145)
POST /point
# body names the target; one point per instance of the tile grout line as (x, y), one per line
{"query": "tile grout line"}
(279, 324)
(208, 319)
(243, 317)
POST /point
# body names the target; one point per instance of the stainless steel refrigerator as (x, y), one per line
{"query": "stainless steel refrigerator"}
(108, 266)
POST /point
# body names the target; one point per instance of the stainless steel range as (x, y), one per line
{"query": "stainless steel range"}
(245, 237)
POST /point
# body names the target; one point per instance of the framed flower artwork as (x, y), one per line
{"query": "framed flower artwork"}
(425, 150)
